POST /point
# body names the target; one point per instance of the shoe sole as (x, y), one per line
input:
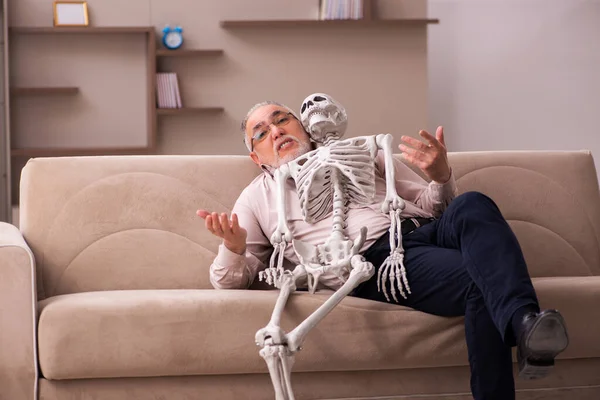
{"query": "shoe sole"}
(548, 338)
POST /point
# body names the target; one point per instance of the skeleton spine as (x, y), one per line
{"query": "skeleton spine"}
(339, 204)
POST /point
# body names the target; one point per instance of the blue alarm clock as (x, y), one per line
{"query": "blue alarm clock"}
(172, 37)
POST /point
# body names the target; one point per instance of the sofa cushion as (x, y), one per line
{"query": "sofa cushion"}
(190, 332)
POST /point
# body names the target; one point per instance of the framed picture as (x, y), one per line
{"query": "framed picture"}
(70, 13)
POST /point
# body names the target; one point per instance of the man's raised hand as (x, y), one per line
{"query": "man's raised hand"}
(430, 157)
(233, 235)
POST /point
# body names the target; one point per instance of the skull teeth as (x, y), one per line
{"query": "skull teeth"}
(317, 112)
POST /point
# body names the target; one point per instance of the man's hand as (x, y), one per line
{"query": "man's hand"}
(233, 235)
(430, 157)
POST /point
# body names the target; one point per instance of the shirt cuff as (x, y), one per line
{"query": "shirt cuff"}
(227, 258)
(444, 190)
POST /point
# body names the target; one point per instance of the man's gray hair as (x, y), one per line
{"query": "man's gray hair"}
(256, 107)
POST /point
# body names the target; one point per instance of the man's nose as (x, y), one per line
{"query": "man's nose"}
(276, 131)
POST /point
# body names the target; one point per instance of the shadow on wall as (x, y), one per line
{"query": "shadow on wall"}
(15, 216)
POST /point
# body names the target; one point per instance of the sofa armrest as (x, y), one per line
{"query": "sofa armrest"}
(18, 317)
(578, 299)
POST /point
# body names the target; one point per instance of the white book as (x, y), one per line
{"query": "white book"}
(323, 9)
(160, 91)
(157, 90)
(165, 86)
(172, 98)
(176, 93)
(358, 7)
(166, 91)
(332, 9)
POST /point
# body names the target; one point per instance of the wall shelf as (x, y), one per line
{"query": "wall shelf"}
(149, 33)
(99, 151)
(81, 30)
(25, 91)
(189, 110)
(188, 53)
(326, 23)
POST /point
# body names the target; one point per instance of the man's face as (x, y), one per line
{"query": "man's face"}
(275, 136)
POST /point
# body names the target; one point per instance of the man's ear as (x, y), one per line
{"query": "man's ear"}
(254, 158)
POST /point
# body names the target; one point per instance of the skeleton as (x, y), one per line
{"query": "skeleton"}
(327, 179)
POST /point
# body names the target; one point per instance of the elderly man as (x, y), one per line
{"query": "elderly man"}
(461, 256)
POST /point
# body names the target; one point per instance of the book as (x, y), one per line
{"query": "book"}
(341, 9)
(167, 90)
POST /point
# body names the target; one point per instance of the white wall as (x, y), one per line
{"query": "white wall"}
(516, 74)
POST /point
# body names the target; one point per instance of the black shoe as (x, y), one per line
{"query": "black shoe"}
(542, 337)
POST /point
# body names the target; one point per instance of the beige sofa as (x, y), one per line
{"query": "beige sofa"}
(118, 304)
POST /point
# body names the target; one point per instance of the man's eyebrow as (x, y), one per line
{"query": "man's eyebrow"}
(257, 126)
(273, 114)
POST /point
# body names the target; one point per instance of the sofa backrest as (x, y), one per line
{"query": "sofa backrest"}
(129, 222)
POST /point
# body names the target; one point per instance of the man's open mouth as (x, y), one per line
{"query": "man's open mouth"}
(285, 144)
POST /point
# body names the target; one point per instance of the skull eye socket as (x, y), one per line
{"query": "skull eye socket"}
(303, 107)
(319, 98)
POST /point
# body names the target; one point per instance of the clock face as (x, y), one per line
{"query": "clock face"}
(173, 39)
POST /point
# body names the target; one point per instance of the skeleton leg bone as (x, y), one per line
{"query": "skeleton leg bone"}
(279, 361)
(279, 348)
(273, 339)
(361, 271)
(286, 285)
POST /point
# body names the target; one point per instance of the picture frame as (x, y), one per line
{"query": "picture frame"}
(70, 13)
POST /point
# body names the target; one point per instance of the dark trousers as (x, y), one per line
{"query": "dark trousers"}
(468, 262)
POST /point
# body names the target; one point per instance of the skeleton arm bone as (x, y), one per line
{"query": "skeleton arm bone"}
(392, 200)
(282, 235)
(393, 267)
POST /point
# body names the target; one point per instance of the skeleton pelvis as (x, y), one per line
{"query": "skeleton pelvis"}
(334, 254)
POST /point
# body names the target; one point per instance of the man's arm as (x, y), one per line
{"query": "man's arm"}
(244, 250)
(432, 159)
(433, 197)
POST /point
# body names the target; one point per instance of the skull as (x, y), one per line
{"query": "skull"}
(323, 117)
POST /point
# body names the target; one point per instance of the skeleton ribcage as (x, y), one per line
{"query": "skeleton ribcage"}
(353, 158)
